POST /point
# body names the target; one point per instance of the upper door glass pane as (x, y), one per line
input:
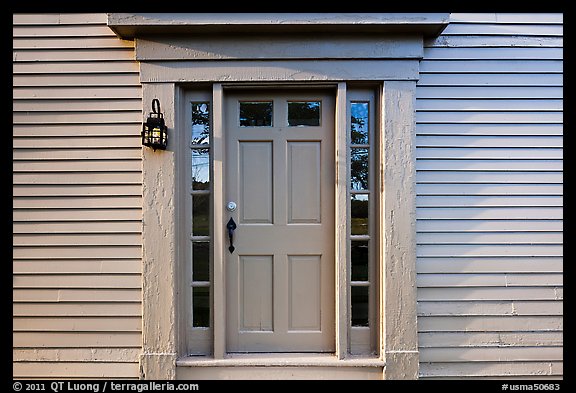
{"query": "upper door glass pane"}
(359, 123)
(304, 113)
(256, 114)
(200, 123)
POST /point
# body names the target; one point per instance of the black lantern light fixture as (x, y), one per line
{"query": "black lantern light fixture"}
(154, 131)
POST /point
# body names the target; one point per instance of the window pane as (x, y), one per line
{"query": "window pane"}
(359, 168)
(359, 123)
(201, 307)
(201, 261)
(200, 169)
(360, 306)
(359, 251)
(304, 113)
(256, 114)
(200, 212)
(359, 212)
(200, 123)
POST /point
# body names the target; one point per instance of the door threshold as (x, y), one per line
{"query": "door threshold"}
(280, 366)
(279, 360)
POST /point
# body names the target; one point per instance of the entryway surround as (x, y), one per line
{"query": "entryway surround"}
(275, 51)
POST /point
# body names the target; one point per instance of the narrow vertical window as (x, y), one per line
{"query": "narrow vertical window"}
(200, 237)
(361, 226)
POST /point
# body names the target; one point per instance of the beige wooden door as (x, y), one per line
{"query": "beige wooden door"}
(280, 174)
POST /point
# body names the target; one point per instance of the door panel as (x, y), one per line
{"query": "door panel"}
(304, 172)
(280, 277)
(256, 182)
(256, 284)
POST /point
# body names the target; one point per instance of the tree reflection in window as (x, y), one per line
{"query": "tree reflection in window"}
(359, 123)
(359, 168)
(303, 113)
(200, 145)
(200, 123)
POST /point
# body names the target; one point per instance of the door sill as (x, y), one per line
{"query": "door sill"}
(280, 359)
(279, 366)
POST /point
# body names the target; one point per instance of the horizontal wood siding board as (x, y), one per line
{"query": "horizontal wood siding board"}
(63, 153)
(106, 310)
(57, 105)
(489, 184)
(77, 202)
(77, 218)
(489, 293)
(74, 30)
(489, 339)
(49, 142)
(491, 66)
(524, 354)
(69, 319)
(488, 201)
(80, 252)
(489, 105)
(75, 67)
(490, 308)
(517, 370)
(76, 92)
(489, 165)
(489, 92)
(497, 130)
(68, 190)
(113, 239)
(77, 340)
(70, 43)
(512, 323)
(489, 79)
(490, 265)
(120, 355)
(78, 166)
(74, 130)
(59, 267)
(120, 281)
(90, 295)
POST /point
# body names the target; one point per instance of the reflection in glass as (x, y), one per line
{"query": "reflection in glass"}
(256, 114)
(200, 212)
(359, 306)
(201, 261)
(200, 169)
(201, 307)
(200, 123)
(359, 212)
(359, 168)
(359, 123)
(304, 113)
(359, 249)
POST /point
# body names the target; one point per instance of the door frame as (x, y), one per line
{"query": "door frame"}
(164, 328)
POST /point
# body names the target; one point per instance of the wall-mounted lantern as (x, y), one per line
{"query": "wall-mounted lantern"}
(154, 131)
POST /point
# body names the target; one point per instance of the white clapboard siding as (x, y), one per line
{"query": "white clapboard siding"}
(489, 152)
(77, 199)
